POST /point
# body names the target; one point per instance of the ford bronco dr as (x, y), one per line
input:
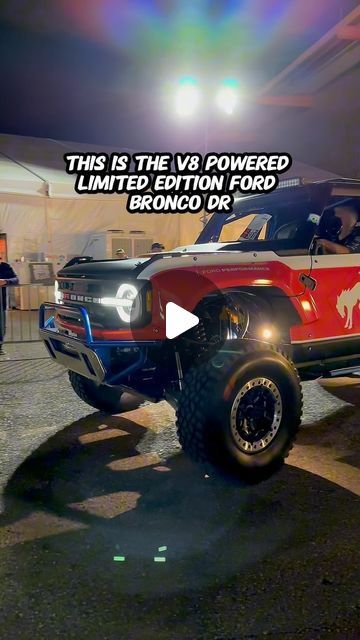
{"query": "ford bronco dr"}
(272, 311)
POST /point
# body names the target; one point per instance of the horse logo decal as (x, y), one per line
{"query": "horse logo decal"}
(346, 304)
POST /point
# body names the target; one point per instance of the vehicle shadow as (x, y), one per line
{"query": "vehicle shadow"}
(346, 389)
(328, 427)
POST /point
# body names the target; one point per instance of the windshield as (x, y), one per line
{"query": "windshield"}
(283, 223)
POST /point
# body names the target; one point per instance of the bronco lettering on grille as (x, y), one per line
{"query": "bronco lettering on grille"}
(76, 297)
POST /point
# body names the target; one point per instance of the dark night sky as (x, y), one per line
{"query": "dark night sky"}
(103, 71)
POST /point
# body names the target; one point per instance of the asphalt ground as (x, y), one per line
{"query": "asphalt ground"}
(278, 560)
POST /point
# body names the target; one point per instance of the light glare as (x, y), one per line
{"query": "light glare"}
(267, 333)
(187, 98)
(57, 293)
(226, 99)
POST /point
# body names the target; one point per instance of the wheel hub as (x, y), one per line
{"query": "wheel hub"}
(256, 415)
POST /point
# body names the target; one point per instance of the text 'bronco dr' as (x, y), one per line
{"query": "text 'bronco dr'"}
(276, 288)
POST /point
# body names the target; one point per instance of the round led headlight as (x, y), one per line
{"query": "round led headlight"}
(128, 306)
(127, 302)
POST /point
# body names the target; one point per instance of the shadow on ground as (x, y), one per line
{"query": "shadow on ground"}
(346, 389)
(277, 559)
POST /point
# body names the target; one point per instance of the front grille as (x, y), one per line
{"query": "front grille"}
(100, 317)
(72, 319)
(88, 294)
(82, 290)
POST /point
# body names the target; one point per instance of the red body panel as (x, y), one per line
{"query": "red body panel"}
(335, 304)
(330, 311)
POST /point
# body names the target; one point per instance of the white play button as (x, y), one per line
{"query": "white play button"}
(178, 320)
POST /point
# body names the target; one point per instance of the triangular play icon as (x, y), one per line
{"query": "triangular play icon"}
(178, 320)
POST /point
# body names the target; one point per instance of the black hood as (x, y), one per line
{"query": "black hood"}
(103, 269)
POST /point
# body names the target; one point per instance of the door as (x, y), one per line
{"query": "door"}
(337, 295)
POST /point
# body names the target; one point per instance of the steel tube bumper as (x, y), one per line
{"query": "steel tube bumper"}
(87, 357)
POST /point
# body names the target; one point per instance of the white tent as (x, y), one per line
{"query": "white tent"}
(41, 212)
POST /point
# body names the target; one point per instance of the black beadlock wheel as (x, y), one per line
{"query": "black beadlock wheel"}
(241, 411)
(102, 397)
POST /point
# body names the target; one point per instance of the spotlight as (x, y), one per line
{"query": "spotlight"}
(268, 333)
(187, 97)
(227, 97)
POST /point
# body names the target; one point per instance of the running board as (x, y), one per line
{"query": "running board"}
(345, 371)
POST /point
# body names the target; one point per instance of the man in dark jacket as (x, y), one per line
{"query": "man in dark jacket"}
(7, 277)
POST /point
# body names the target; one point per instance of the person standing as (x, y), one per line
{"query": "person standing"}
(157, 247)
(121, 254)
(7, 277)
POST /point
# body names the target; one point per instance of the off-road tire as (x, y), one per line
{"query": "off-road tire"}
(102, 397)
(203, 413)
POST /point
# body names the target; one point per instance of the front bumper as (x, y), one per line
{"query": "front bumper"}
(88, 357)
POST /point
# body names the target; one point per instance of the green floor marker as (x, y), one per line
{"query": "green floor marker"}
(162, 548)
(119, 558)
(159, 559)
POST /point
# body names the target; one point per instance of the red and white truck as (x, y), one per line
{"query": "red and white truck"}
(273, 310)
